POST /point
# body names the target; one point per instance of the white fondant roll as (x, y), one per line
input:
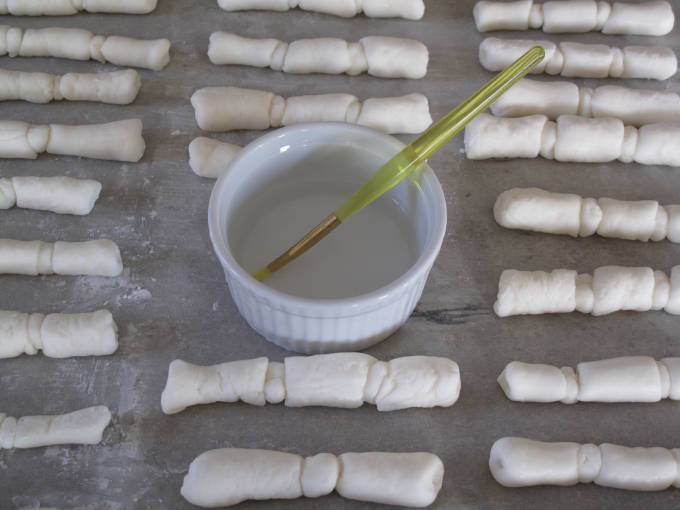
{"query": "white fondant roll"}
(229, 476)
(583, 60)
(38, 8)
(225, 48)
(537, 292)
(334, 380)
(625, 379)
(85, 426)
(419, 381)
(622, 288)
(189, 384)
(275, 383)
(673, 367)
(100, 257)
(62, 195)
(673, 305)
(526, 382)
(70, 7)
(562, 213)
(229, 108)
(69, 43)
(78, 44)
(405, 114)
(208, 157)
(539, 210)
(636, 107)
(328, 55)
(8, 197)
(491, 16)
(639, 469)
(33, 87)
(320, 107)
(571, 16)
(21, 140)
(649, 62)
(657, 145)
(635, 221)
(487, 137)
(25, 257)
(79, 334)
(125, 51)
(588, 140)
(320, 475)
(586, 60)
(673, 225)
(531, 97)
(393, 57)
(649, 18)
(327, 380)
(572, 138)
(265, 5)
(408, 9)
(404, 479)
(496, 54)
(610, 289)
(124, 6)
(519, 462)
(14, 334)
(119, 87)
(119, 141)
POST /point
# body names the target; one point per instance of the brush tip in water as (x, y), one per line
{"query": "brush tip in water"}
(262, 274)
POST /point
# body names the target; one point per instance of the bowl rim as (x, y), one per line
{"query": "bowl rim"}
(335, 306)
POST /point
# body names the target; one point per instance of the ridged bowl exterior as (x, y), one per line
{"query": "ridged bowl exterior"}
(320, 326)
(295, 330)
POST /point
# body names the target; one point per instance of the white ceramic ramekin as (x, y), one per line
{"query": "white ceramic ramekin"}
(318, 326)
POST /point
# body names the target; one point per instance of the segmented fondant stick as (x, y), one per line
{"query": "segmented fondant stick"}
(71, 7)
(343, 379)
(520, 462)
(228, 476)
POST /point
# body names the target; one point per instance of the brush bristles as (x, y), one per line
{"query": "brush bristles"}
(262, 274)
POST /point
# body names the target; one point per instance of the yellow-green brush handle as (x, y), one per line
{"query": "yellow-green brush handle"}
(415, 154)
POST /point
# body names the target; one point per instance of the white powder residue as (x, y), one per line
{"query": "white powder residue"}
(118, 290)
(136, 294)
(129, 378)
(92, 287)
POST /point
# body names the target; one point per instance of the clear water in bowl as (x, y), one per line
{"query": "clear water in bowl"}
(368, 251)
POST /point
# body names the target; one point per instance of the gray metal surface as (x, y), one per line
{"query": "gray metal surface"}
(172, 302)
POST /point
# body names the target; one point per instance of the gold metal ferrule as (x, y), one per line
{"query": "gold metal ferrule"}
(315, 235)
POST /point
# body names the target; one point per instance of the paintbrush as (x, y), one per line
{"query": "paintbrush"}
(412, 157)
